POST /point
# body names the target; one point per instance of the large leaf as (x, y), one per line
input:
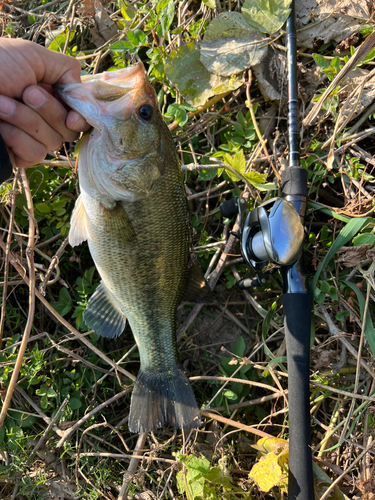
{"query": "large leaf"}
(267, 16)
(230, 45)
(193, 81)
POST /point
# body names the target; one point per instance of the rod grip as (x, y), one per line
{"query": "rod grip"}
(297, 317)
(294, 181)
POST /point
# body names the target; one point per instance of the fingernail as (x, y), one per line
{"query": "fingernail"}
(34, 97)
(7, 106)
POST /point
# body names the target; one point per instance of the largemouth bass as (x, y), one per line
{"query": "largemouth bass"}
(132, 212)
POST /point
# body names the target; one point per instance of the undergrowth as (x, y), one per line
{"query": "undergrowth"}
(64, 376)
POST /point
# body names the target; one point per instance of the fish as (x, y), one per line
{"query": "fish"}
(133, 213)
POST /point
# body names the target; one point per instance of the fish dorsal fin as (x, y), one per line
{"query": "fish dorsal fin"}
(102, 314)
(197, 287)
(79, 227)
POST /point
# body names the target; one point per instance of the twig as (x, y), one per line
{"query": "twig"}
(348, 469)
(347, 394)
(240, 381)
(84, 419)
(53, 264)
(30, 317)
(123, 495)
(49, 427)
(252, 402)
(233, 423)
(6, 256)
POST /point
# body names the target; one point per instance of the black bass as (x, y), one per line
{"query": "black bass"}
(133, 213)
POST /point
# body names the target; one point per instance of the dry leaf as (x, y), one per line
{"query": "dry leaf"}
(267, 473)
(329, 19)
(352, 256)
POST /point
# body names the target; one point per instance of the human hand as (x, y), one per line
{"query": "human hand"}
(32, 120)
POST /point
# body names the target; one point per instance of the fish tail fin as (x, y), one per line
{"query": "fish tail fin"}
(161, 396)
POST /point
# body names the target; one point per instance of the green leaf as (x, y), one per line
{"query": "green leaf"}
(137, 38)
(230, 45)
(346, 234)
(43, 208)
(121, 46)
(239, 347)
(166, 11)
(178, 113)
(325, 287)
(75, 403)
(267, 186)
(128, 13)
(51, 393)
(44, 402)
(65, 302)
(2, 434)
(230, 395)
(207, 175)
(267, 16)
(196, 85)
(321, 61)
(369, 327)
(58, 43)
(210, 3)
(364, 239)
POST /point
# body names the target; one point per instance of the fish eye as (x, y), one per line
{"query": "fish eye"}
(145, 112)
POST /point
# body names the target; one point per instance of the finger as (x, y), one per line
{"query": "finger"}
(26, 119)
(49, 109)
(24, 150)
(29, 63)
(75, 121)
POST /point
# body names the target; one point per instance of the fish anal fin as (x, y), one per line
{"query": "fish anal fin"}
(196, 287)
(102, 314)
(79, 224)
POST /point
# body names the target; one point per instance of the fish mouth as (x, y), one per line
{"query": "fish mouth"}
(94, 97)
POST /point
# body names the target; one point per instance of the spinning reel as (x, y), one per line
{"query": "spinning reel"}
(270, 235)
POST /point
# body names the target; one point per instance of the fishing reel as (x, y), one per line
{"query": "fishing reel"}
(270, 235)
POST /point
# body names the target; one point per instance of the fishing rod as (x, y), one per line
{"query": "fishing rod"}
(271, 237)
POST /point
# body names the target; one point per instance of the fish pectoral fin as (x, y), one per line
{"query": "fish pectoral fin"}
(79, 224)
(196, 287)
(116, 221)
(102, 314)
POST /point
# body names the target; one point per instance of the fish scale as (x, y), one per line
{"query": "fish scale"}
(133, 213)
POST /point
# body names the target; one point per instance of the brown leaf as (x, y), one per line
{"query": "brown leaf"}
(87, 8)
(370, 254)
(324, 359)
(352, 256)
